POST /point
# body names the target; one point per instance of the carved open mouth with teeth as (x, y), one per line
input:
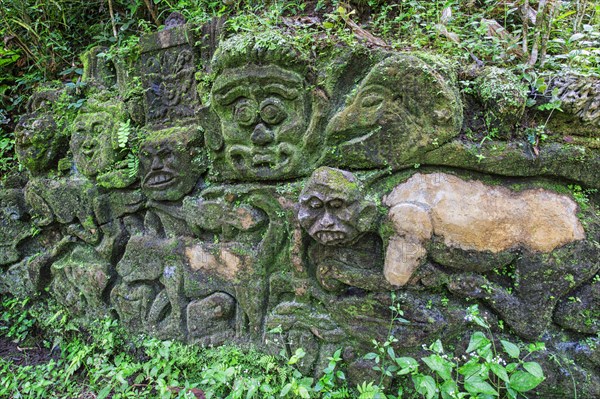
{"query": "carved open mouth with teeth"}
(268, 161)
(159, 180)
(264, 162)
(329, 237)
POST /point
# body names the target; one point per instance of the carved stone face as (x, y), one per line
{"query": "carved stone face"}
(264, 117)
(401, 109)
(38, 143)
(332, 208)
(13, 224)
(92, 143)
(169, 167)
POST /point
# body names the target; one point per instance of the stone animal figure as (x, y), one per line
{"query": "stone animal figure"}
(472, 229)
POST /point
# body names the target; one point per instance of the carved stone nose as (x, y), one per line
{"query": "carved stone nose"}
(327, 220)
(262, 135)
(157, 163)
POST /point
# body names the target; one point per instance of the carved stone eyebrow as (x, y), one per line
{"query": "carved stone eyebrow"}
(283, 90)
(283, 81)
(307, 198)
(227, 94)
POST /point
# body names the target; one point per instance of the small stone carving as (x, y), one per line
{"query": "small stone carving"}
(171, 162)
(335, 213)
(402, 109)
(99, 70)
(168, 61)
(39, 143)
(66, 201)
(265, 110)
(95, 146)
(150, 294)
(332, 207)
(14, 225)
(212, 319)
(174, 19)
(79, 280)
(579, 95)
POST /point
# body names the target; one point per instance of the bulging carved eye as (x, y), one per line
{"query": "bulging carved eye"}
(315, 203)
(272, 111)
(371, 100)
(244, 112)
(336, 203)
(97, 129)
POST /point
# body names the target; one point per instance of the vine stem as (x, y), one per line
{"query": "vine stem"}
(152, 13)
(112, 18)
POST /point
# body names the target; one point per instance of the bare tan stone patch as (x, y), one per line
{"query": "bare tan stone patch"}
(220, 261)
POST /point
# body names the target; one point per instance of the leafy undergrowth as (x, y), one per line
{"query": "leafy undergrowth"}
(44, 354)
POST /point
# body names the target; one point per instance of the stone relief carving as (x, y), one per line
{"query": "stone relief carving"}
(168, 74)
(14, 225)
(236, 231)
(171, 162)
(472, 216)
(401, 109)
(266, 111)
(579, 95)
(79, 280)
(39, 143)
(95, 145)
(333, 210)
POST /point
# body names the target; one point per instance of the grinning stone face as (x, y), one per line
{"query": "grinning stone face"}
(331, 207)
(169, 165)
(264, 117)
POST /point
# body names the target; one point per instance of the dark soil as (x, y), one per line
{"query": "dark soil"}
(26, 355)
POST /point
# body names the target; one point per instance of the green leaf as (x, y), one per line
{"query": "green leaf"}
(478, 340)
(425, 385)
(441, 366)
(524, 381)
(104, 392)
(407, 365)
(449, 389)
(500, 371)
(486, 352)
(472, 367)
(437, 347)
(391, 353)
(285, 389)
(576, 36)
(534, 369)
(510, 348)
(303, 393)
(476, 384)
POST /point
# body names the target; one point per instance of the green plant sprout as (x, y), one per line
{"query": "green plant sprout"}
(483, 372)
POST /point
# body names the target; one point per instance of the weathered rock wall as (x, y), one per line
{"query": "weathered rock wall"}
(217, 193)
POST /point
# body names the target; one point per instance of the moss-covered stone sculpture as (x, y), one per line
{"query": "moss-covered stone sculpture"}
(307, 195)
